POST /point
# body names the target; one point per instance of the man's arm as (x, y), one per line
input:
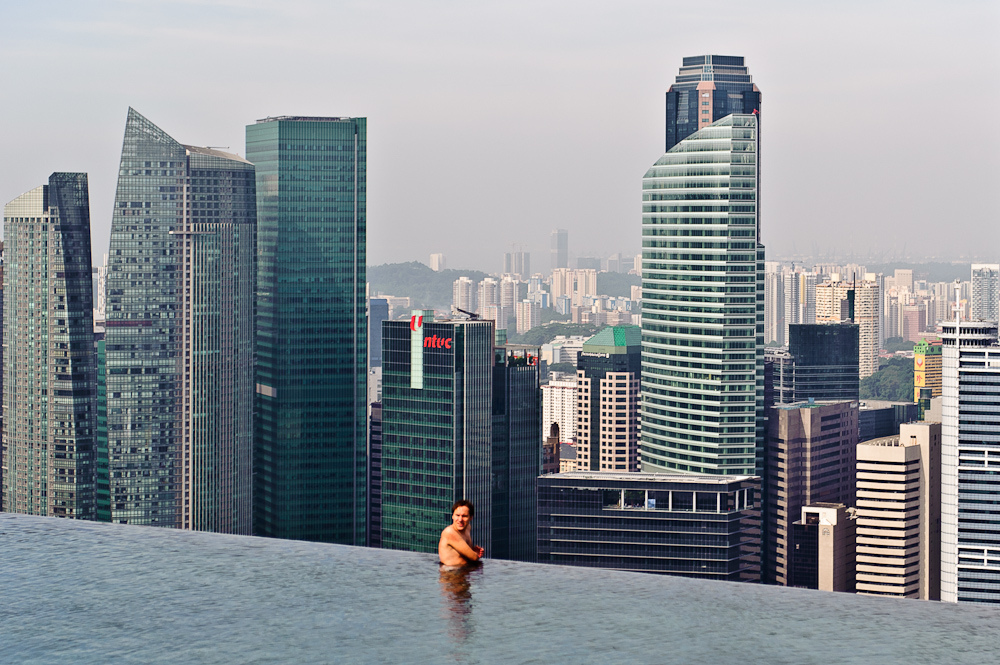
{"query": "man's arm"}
(459, 545)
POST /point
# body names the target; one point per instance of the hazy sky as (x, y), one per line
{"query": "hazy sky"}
(492, 123)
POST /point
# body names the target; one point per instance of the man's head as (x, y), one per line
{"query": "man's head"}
(462, 512)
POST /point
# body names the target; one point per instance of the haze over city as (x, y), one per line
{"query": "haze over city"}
(492, 125)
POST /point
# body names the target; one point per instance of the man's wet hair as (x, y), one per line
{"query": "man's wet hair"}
(463, 502)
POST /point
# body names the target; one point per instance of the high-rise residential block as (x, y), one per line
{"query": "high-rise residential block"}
(517, 264)
(560, 249)
(180, 330)
(854, 302)
(574, 284)
(310, 446)
(703, 304)
(559, 408)
(50, 377)
(607, 411)
(899, 513)
(970, 462)
(437, 262)
(460, 420)
(528, 315)
(708, 88)
(463, 292)
(810, 458)
(703, 526)
(774, 304)
(985, 292)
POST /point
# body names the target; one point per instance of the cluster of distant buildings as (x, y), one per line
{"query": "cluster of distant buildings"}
(244, 382)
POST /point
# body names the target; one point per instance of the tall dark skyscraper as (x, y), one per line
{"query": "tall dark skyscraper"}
(312, 337)
(179, 339)
(708, 88)
(461, 418)
(821, 364)
(50, 386)
(560, 249)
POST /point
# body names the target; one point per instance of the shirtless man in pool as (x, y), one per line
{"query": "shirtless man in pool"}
(455, 547)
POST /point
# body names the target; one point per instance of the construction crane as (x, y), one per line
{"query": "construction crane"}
(472, 315)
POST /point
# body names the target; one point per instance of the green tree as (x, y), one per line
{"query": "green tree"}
(893, 381)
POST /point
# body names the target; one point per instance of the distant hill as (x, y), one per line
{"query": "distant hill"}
(426, 287)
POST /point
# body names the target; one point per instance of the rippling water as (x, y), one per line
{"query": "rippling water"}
(74, 592)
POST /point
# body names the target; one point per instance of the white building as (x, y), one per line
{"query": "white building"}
(462, 294)
(437, 262)
(559, 407)
(985, 292)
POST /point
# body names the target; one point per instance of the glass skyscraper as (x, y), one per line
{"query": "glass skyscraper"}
(708, 88)
(179, 342)
(310, 450)
(702, 304)
(50, 384)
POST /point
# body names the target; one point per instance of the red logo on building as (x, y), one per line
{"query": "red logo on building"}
(435, 342)
(416, 322)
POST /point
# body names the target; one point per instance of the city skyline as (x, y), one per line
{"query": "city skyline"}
(479, 87)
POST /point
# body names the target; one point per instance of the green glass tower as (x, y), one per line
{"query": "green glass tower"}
(310, 444)
(703, 304)
(178, 378)
(50, 391)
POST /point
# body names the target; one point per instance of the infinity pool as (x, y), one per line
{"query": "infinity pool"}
(77, 592)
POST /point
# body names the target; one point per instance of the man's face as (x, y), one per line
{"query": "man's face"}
(460, 518)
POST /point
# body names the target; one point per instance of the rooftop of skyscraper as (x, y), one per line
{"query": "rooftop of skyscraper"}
(84, 592)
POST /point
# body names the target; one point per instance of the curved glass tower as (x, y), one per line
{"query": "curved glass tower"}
(703, 304)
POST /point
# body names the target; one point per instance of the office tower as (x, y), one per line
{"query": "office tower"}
(878, 418)
(702, 349)
(854, 302)
(559, 257)
(914, 320)
(607, 404)
(517, 264)
(375, 475)
(688, 525)
(457, 422)
(559, 408)
(462, 294)
(312, 353)
(824, 544)
(707, 89)
(985, 292)
(926, 368)
(822, 364)
(517, 449)
(179, 352)
(970, 448)
(378, 311)
(810, 458)
(437, 262)
(50, 378)
(100, 301)
(774, 304)
(899, 513)
(528, 315)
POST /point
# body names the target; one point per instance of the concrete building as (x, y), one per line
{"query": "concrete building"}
(49, 447)
(926, 369)
(810, 458)
(517, 264)
(607, 411)
(528, 315)
(690, 525)
(899, 513)
(574, 284)
(488, 293)
(970, 459)
(703, 312)
(437, 262)
(823, 548)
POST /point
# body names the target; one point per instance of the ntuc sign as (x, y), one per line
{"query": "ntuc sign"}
(437, 342)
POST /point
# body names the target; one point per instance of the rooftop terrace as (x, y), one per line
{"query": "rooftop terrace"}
(76, 592)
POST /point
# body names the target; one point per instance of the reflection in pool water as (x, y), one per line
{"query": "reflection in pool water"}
(86, 593)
